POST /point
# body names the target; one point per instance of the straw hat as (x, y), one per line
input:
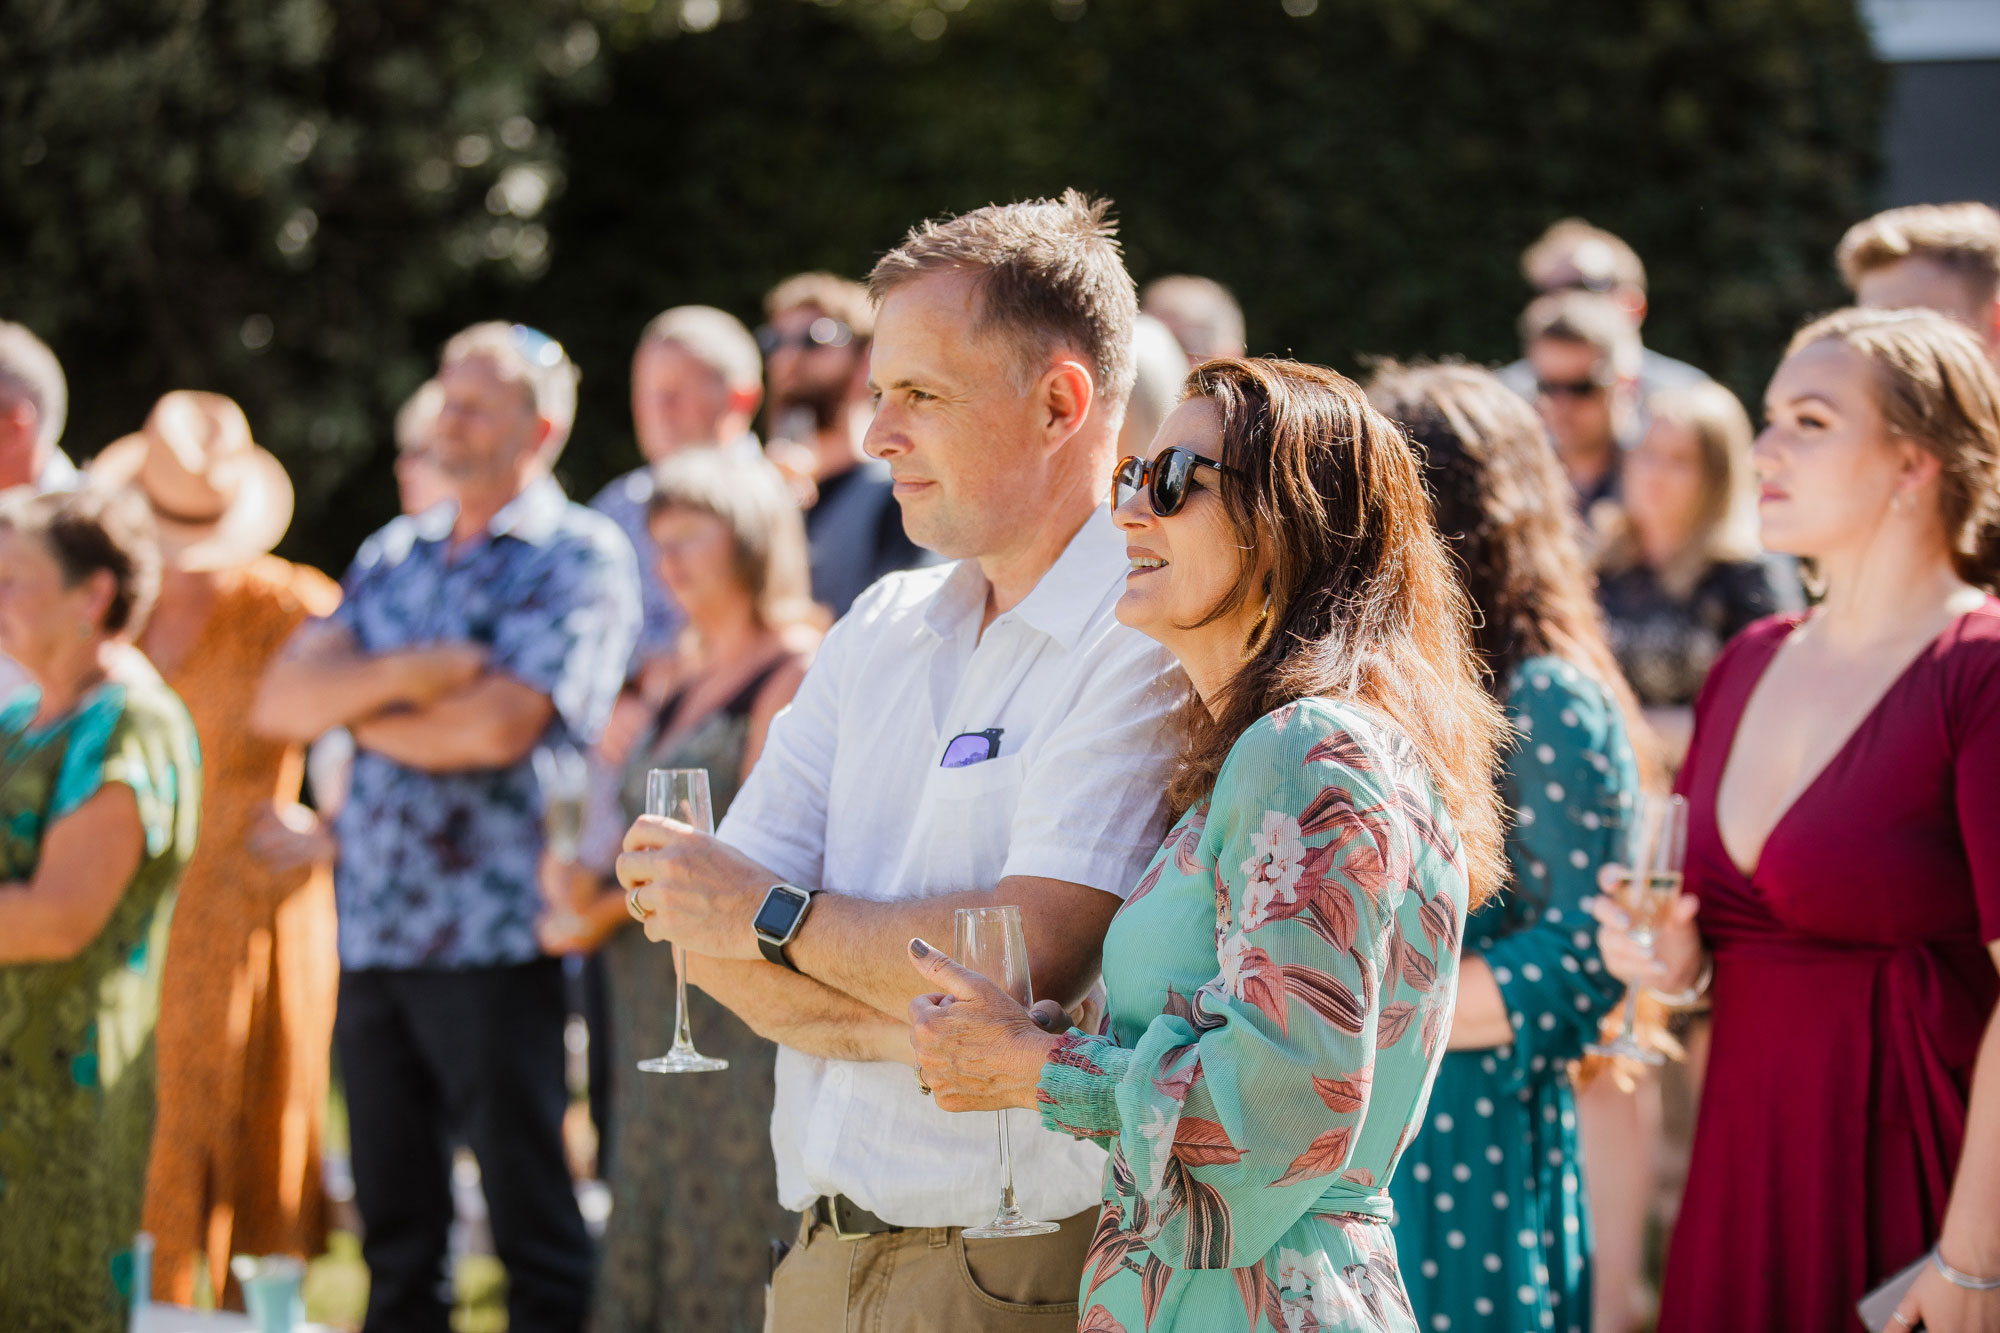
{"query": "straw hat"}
(217, 498)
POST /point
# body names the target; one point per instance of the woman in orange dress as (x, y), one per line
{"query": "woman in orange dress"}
(246, 1010)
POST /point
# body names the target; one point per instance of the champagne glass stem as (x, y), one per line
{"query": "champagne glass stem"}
(1006, 1164)
(683, 1038)
(1631, 1032)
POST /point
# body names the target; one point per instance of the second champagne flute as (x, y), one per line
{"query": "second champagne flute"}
(682, 794)
(1656, 855)
(990, 942)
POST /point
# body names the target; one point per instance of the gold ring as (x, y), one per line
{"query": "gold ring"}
(632, 904)
(922, 1086)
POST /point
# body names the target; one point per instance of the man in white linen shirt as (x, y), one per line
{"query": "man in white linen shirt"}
(971, 734)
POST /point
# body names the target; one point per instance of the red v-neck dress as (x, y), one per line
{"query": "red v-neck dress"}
(1852, 987)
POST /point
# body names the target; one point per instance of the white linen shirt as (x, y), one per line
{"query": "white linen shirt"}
(849, 797)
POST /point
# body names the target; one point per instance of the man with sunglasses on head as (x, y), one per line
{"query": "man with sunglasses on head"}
(972, 734)
(470, 634)
(815, 347)
(1574, 256)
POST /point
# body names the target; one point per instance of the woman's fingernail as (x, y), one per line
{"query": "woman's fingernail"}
(918, 948)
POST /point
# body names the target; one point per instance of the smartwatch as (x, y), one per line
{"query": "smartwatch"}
(778, 920)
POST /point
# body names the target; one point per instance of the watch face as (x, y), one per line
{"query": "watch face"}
(780, 912)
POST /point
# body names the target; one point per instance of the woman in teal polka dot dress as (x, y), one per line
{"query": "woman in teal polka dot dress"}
(100, 788)
(1490, 1212)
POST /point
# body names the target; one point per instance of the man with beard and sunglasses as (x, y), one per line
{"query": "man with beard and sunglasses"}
(815, 349)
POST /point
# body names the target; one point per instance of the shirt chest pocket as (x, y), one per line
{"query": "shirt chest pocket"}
(971, 817)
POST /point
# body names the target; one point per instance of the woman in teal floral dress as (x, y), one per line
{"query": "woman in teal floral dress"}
(1491, 1219)
(99, 791)
(1280, 982)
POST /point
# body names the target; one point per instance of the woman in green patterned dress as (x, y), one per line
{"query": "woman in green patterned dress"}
(1490, 1208)
(100, 787)
(1280, 982)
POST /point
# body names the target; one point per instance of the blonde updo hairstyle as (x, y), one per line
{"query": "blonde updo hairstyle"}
(1936, 389)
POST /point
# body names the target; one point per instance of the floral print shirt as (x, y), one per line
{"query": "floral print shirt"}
(1280, 985)
(438, 869)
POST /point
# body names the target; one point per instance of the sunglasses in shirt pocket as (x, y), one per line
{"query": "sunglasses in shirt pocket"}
(972, 813)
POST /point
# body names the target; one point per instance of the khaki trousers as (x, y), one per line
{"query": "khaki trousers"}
(929, 1280)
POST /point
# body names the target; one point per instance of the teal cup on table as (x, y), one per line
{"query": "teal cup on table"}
(273, 1291)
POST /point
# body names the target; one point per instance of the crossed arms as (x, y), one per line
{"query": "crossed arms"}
(438, 709)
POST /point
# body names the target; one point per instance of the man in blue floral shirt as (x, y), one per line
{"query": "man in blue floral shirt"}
(469, 635)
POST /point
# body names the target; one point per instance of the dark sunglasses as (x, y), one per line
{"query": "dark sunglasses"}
(822, 332)
(1569, 388)
(1167, 479)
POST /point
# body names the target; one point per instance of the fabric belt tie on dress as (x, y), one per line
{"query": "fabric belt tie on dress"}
(1355, 1200)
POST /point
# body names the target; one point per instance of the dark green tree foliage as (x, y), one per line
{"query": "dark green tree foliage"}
(1362, 172)
(261, 197)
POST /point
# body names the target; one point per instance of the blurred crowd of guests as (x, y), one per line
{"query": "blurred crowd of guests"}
(168, 1005)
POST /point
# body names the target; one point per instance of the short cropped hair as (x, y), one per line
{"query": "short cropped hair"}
(91, 529)
(1198, 304)
(529, 358)
(1601, 260)
(713, 337)
(1583, 317)
(830, 294)
(28, 369)
(1963, 238)
(1049, 274)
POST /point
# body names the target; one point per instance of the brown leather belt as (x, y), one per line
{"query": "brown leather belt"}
(849, 1220)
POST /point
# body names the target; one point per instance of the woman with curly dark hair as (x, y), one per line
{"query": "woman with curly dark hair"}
(1280, 980)
(1491, 1216)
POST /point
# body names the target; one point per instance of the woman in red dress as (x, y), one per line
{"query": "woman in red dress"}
(1844, 857)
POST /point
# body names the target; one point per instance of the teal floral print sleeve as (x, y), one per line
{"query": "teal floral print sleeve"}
(1280, 985)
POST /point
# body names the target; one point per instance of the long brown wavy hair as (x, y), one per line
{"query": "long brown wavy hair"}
(1502, 504)
(1362, 603)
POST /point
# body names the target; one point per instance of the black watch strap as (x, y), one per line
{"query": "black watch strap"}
(774, 953)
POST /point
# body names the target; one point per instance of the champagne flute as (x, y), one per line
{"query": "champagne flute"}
(1656, 853)
(564, 780)
(681, 793)
(990, 942)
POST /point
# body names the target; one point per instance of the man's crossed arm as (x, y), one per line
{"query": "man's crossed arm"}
(437, 708)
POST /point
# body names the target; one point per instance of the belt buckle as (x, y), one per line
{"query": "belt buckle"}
(840, 1232)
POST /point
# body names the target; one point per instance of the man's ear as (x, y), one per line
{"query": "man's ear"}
(1064, 397)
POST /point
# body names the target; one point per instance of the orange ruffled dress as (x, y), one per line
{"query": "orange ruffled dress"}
(246, 1010)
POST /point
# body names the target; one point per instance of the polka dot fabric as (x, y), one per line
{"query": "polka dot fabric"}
(1490, 1216)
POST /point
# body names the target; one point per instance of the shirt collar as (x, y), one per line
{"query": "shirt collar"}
(532, 516)
(1060, 604)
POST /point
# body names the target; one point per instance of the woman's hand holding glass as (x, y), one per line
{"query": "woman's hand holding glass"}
(978, 1048)
(1671, 962)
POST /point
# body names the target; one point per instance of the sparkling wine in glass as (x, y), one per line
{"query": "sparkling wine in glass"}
(681, 794)
(990, 942)
(564, 780)
(1655, 855)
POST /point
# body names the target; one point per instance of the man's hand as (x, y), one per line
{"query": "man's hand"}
(695, 890)
(428, 674)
